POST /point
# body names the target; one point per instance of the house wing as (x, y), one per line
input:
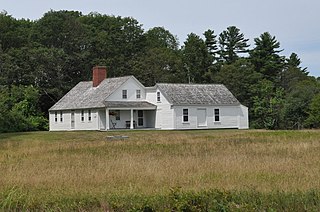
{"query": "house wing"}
(197, 94)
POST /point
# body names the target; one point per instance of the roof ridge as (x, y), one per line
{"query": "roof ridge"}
(189, 84)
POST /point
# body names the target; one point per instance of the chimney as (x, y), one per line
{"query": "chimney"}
(99, 73)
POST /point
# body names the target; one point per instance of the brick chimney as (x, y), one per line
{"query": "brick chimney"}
(99, 73)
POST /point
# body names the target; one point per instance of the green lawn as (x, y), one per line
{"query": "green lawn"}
(164, 170)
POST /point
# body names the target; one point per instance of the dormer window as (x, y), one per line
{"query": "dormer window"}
(138, 94)
(158, 96)
(124, 94)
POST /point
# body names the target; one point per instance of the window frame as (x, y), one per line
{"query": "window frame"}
(89, 115)
(158, 96)
(55, 116)
(117, 116)
(185, 115)
(216, 115)
(138, 94)
(82, 115)
(61, 116)
(124, 94)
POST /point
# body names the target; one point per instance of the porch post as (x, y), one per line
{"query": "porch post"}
(131, 120)
(107, 119)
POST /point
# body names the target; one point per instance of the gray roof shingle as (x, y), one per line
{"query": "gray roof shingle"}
(197, 94)
(83, 95)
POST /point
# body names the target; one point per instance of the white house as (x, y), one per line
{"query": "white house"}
(123, 102)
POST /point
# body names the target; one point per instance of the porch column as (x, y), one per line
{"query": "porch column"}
(107, 119)
(131, 120)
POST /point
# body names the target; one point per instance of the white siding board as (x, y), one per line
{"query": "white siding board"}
(79, 125)
(229, 117)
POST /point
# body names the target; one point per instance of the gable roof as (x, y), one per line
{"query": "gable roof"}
(197, 94)
(84, 95)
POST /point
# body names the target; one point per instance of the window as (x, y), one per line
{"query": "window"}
(138, 92)
(55, 116)
(61, 117)
(185, 115)
(89, 115)
(158, 96)
(118, 115)
(216, 115)
(140, 117)
(124, 94)
(82, 115)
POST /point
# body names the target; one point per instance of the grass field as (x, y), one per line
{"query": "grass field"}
(63, 170)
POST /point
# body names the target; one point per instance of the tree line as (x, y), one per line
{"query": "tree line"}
(42, 60)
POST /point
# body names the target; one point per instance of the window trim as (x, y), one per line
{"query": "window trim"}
(61, 116)
(89, 116)
(124, 94)
(158, 96)
(185, 115)
(117, 116)
(82, 115)
(138, 94)
(55, 116)
(216, 116)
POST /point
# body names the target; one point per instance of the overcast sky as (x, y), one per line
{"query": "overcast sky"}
(295, 23)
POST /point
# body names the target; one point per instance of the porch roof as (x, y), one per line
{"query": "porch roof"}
(129, 104)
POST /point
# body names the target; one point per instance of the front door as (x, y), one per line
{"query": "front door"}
(140, 118)
(72, 119)
(202, 117)
(102, 117)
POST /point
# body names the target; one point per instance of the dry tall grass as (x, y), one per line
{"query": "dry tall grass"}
(151, 162)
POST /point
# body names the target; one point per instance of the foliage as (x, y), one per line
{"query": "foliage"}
(57, 51)
(267, 105)
(313, 119)
(265, 56)
(18, 106)
(232, 42)
(196, 59)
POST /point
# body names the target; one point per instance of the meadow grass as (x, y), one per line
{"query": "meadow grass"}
(46, 167)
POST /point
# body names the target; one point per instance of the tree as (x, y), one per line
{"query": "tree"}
(211, 43)
(159, 37)
(160, 61)
(293, 73)
(313, 120)
(196, 59)
(265, 56)
(297, 102)
(19, 109)
(157, 65)
(231, 43)
(268, 104)
(14, 33)
(240, 78)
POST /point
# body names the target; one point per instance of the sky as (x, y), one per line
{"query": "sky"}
(294, 23)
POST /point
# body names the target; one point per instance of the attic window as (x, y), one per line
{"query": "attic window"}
(138, 94)
(124, 94)
(158, 96)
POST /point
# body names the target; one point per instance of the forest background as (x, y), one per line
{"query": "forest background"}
(41, 60)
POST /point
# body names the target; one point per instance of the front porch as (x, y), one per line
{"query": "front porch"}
(127, 115)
